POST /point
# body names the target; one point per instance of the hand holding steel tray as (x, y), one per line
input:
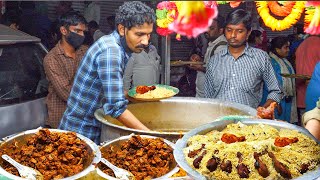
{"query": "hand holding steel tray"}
(222, 124)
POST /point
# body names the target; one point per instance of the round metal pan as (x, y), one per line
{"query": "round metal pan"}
(117, 143)
(220, 125)
(21, 137)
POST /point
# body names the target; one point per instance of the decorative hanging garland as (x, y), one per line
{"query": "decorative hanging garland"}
(280, 25)
(314, 26)
(309, 13)
(281, 10)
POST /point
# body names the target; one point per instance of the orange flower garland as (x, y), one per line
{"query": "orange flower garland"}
(279, 25)
(279, 10)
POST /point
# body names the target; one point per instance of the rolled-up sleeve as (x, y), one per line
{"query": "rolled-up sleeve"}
(269, 77)
(110, 73)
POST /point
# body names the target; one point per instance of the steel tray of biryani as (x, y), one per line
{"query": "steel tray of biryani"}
(116, 144)
(171, 118)
(183, 143)
(88, 164)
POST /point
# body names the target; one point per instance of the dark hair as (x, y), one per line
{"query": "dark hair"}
(10, 17)
(133, 13)
(93, 25)
(253, 35)
(240, 16)
(71, 19)
(220, 21)
(278, 42)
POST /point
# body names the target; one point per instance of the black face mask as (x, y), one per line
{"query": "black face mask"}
(74, 39)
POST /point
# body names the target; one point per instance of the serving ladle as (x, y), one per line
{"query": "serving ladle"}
(24, 171)
(118, 172)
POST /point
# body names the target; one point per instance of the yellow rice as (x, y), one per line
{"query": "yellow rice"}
(159, 92)
(258, 138)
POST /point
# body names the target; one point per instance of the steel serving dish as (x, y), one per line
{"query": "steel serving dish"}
(117, 143)
(171, 118)
(220, 125)
(89, 164)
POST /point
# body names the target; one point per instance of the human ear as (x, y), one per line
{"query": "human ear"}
(121, 29)
(63, 30)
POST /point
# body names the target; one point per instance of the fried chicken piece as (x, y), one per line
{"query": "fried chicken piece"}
(231, 138)
(226, 166)
(260, 166)
(242, 169)
(144, 89)
(280, 168)
(284, 141)
(193, 153)
(266, 113)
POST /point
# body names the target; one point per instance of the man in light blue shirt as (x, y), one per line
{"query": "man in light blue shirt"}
(99, 80)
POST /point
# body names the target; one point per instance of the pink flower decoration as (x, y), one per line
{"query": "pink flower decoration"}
(194, 21)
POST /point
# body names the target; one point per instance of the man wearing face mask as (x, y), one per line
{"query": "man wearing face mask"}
(61, 64)
(99, 80)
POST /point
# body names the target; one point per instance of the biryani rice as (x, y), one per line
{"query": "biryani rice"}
(159, 92)
(258, 138)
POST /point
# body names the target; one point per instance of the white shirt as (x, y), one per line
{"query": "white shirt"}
(201, 75)
(92, 12)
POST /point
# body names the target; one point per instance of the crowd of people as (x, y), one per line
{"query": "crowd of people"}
(89, 69)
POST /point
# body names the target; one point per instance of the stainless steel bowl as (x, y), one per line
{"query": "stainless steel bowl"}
(171, 118)
(89, 165)
(220, 125)
(117, 143)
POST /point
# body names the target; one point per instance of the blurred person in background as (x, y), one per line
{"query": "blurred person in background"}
(307, 56)
(61, 64)
(110, 24)
(11, 19)
(92, 11)
(94, 30)
(255, 39)
(217, 42)
(287, 108)
(313, 89)
(142, 68)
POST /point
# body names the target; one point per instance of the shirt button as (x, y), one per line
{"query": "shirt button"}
(232, 88)
(233, 75)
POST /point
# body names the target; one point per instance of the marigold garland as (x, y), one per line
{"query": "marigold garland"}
(279, 10)
(279, 25)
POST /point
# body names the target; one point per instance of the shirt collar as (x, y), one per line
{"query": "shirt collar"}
(248, 50)
(117, 37)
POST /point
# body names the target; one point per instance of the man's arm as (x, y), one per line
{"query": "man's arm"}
(269, 77)
(57, 77)
(129, 120)
(209, 79)
(313, 126)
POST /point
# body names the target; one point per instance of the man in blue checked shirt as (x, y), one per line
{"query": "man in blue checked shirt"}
(238, 72)
(99, 80)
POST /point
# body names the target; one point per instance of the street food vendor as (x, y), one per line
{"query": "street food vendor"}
(99, 80)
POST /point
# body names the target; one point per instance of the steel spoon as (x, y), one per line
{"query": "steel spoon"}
(118, 172)
(24, 171)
